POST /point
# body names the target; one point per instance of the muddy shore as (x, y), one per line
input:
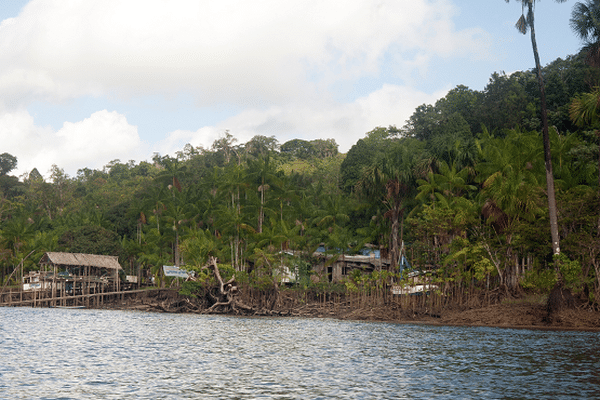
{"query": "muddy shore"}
(516, 315)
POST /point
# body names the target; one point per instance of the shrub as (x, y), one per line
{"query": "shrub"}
(539, 281)
(569, 269)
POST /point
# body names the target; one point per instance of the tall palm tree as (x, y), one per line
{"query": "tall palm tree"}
(262, 172)
(585, 23)
(233, 187)
(392, 178)
(524, 24)
(178, 212)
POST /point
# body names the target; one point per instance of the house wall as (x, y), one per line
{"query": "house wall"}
(339, 271)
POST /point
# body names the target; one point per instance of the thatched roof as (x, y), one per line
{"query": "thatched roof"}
(83, 260)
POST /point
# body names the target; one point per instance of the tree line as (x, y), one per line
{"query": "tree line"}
(460, 190)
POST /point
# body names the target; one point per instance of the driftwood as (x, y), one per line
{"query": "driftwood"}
(226, 298)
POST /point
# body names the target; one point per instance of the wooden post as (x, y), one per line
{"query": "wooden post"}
(53, 285)
(87, 288)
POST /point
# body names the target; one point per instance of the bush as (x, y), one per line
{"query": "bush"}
(191, 288)
(539, 281)
(570, 270)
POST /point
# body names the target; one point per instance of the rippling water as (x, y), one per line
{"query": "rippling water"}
(104, 354)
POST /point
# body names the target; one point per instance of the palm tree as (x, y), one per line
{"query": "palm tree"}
(524, 24)
(585, 110)
(262, 172)
(585, 23)
(172, 171)
(15, 236)
(450, 182)
(391, 177)
(510, 174)
(232, 219)
(178, 213)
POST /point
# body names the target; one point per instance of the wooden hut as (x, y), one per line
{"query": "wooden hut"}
(72, 274)
(343, 265)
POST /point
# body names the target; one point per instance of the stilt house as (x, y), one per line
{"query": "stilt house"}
(74, 274)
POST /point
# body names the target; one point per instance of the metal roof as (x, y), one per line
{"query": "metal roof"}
(79, 259)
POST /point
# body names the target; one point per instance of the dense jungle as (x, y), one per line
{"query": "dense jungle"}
(458, 191)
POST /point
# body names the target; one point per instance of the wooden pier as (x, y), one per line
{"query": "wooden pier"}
(44, 298)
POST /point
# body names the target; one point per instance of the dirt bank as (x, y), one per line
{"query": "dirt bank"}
(520, 314)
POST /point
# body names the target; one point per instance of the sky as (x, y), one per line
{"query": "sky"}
(83, 83)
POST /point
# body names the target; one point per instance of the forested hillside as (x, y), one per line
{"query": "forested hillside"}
(461, 183)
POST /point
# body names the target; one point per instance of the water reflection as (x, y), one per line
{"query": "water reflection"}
(101, 354)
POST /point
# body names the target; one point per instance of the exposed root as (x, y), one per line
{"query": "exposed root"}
(226, 299)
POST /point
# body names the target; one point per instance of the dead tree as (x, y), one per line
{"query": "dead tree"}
(226, 294)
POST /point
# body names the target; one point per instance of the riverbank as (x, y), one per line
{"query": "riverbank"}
(525, 313)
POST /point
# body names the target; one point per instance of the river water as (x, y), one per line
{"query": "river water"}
(107, 354)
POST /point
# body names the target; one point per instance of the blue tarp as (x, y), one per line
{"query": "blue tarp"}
(404, 265)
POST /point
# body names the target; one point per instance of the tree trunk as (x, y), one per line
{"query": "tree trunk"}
(177, 261)
(545, 136)
(226, 296)
(394, 243)
(598, 224)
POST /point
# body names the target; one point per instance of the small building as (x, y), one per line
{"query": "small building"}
(343, 265)
(74, 274)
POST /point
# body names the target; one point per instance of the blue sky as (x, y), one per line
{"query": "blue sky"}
(84, 83)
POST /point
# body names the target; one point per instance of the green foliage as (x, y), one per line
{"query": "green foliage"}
(325, 148)
(191, 288)
(359, 156)
(585, 23)
(198, 246)
(227, 271)
(363, 154)
(10, 186)
(569, 269)
(539, 281)
(483, 268)
(307, 150)
(90, 239)
(8, 162)
(299, 148)
(303, 270)
(543, 280)
(262, 278)
(261, 146)
(474, 197)
(467, 260)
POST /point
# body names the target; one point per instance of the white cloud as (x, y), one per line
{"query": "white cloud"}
(280, 62)
(249, 53)
(346, 123)
(102, 137)
(92, 143)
